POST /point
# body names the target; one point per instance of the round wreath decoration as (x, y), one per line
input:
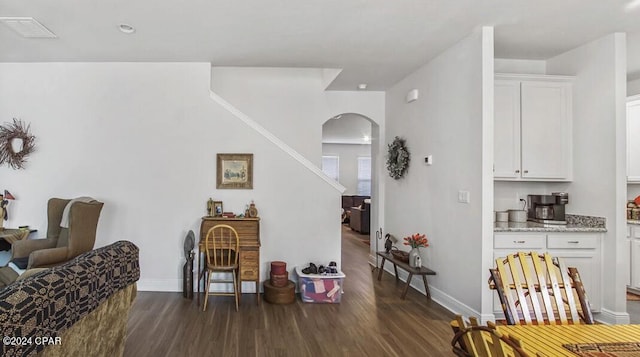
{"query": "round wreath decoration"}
(9, 133)
(398, 158)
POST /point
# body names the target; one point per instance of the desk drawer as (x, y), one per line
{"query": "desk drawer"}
(249, 273)
(570, 241)
(518, 241)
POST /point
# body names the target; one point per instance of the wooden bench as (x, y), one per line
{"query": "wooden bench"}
(422, 271)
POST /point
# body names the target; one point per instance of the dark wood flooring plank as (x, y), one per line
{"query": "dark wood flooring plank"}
(371, 320)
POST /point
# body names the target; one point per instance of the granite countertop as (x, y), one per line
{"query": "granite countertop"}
(633, 221)
(575, 223)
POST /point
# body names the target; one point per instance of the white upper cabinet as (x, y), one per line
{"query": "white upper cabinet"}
(633, 139)
(532, 128)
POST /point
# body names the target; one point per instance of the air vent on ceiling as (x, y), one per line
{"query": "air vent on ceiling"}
(27, 27)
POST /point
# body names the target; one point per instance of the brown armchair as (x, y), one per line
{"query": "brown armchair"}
(62, 244)
(360, 218)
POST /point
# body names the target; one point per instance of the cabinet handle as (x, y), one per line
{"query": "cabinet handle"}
(518, 241)
(573, 242)
(517, 171)
(526, 171)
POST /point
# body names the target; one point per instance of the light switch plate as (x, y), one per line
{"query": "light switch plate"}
(463, 196)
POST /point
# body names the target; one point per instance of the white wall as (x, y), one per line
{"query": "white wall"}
(291, 102)
(446, 122)
(348, 154)
(143, 138)
(522, 66)
(599, 137)
(633, 87)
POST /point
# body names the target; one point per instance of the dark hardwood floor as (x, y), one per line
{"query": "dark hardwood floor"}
(371, 320)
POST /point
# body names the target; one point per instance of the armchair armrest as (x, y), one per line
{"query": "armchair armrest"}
(47, 257)
(23, 248)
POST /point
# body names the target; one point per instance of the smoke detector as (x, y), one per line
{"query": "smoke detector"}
(28, 27)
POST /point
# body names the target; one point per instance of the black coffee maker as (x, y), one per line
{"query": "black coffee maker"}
(547, 209)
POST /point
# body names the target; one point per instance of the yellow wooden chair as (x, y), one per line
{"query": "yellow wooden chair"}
(221, 249)
(483, 341)
(538, 289)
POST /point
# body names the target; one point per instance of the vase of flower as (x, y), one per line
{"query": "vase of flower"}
(416, 241)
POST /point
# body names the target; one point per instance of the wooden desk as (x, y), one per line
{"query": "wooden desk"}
(249, 233)
(11, 235)
(548, 339)
(422, 271)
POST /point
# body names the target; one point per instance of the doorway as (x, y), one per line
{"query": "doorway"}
(350, 155)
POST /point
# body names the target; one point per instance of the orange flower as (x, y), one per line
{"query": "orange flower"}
(416, 241)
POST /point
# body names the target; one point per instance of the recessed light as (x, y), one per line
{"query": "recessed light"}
(126, 28)
(362, 86)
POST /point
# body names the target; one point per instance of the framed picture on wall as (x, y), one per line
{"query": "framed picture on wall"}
(235, 171)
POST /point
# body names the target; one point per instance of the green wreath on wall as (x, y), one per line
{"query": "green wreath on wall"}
(397, 158)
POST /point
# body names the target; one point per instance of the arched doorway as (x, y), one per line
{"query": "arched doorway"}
(350, 145)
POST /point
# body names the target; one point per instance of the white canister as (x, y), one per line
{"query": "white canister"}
(517, 215)
(502, 216)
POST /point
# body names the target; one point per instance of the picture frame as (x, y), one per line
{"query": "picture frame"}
(217, 209)
(234, 171)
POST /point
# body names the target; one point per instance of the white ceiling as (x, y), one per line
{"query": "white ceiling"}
(377, 42)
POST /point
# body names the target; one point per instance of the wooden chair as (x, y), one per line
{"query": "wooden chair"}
(536, 288)
(483, 341)
(221, 249)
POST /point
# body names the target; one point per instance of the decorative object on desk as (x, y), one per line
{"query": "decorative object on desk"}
(217, 208)
(228, 215)
(187, 269)
(16, 143)
(4, 202)
(398, 158)
(415, 241)
(253, 211)
(210, 207)
(234, 171)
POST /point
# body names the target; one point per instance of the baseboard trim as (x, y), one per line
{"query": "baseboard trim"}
(161, 285)
(175, 285)
(612, 317)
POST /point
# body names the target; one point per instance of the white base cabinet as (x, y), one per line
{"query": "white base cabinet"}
(634, 259)
(580, 250)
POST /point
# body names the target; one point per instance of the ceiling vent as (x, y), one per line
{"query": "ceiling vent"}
(27, 27)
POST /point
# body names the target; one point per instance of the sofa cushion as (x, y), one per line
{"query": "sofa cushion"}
(50, 302)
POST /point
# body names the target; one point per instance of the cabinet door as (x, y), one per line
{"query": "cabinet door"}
(635, 263)
(633, 141)
(588, 264)
(546, 130)
(506, 138)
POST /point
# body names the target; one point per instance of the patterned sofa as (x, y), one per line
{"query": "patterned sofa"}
(79, 308)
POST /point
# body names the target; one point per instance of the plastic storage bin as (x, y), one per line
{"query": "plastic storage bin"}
(316, 288)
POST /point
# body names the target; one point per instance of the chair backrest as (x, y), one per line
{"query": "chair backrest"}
(80, 237)
(222, 245)
(537, 288)
(483, 341)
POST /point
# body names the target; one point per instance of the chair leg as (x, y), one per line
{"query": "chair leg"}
(206, 294)
(235, 288)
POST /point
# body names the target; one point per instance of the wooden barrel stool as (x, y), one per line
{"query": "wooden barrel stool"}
(279, 295)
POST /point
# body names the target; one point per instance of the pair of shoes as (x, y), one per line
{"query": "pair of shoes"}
(311, 269)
